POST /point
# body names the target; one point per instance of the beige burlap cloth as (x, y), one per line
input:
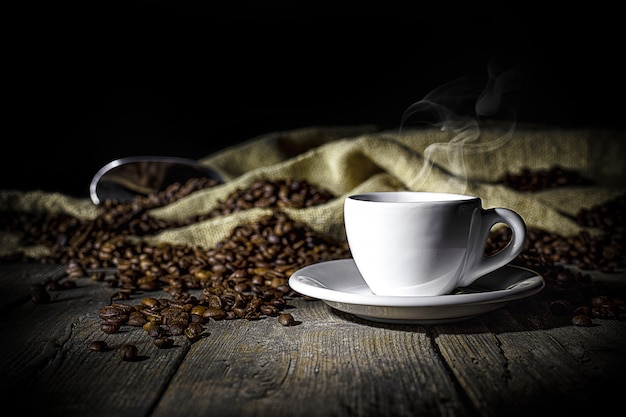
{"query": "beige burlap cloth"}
(353, 159)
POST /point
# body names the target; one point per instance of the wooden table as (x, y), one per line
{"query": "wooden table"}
(517, 360)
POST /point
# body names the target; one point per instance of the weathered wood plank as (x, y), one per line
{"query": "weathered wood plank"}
(510, 368)
(16, 279)
(46, 364)
(513, 361)
(329, 364)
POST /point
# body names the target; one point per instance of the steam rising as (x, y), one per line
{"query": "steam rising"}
(459, 106)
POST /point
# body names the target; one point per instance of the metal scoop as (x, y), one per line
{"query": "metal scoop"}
(125, 178)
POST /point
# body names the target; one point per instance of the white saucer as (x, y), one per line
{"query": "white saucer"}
(340, 285)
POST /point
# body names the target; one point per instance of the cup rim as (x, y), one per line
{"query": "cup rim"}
(411, 197)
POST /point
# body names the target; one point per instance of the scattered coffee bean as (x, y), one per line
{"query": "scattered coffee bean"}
(214, 313)
(178, 329)
(52, 285)
(136, 319)
(559, 307)
(109, 327)
(157, 331)
(581, 320)
(98, 346)
(40, 296)
(269, 310)
(163, 342)
(68, 284)
(286, 319)
(193, 331)
(128, 352)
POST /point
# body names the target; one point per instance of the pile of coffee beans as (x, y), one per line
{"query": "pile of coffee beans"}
(87, 242)
(244, 277)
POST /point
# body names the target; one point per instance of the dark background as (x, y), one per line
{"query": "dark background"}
(91, 83)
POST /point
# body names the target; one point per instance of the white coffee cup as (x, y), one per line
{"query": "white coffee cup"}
(421, 243)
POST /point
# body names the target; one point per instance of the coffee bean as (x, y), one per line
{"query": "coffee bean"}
(177, 329)
(52, 285)
(98, 346)
(68, 284)
(163, 342)
(269, 310)
(581, 320)
(149, 302)
(40, 296)
(286, 319)
(112, 311)
(157, 331)
(214, 313)
(128, 352)
(193, 331)
(559, 307)
(136, 319)
(110, 327)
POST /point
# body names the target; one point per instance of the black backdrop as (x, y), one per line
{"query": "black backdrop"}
(94, 82)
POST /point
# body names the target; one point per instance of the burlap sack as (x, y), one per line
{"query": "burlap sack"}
(347, 160)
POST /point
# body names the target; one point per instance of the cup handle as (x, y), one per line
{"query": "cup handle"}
(484, 264)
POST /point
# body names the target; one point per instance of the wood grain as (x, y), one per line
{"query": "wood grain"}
(512, 361)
